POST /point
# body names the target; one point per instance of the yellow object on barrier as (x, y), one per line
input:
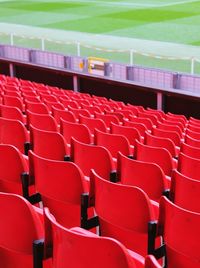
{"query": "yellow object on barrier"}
(96, 65)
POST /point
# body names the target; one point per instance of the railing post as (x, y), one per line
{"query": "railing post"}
(42, 44)
(12, 39)
(131, 56)
(192, 65)
(78, 49)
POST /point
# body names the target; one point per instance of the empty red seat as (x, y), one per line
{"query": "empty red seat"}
(13, 132)
(113, 142)
(123, 213)
(78, 131)
(88, 157)
(60, 185)
(20, 226)
(69, 244)
(49, 144)
(13, 166)
(159, 156)
(184, 192)
(190, 150)
(162, 142)
(189, 166)
(147, 176)
(179, 228)
(93, 123)
(42, 121)
(11, 112)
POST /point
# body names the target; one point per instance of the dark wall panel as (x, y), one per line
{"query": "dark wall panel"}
(4, 68)
(50, 77)
(116, 91)
(181, 105)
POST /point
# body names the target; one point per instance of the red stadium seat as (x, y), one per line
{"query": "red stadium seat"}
(13, 166)
(64, 114)
(78, 131)
(179, 229)
(60, 185)
(38, 108)
(147, 176)
(192, 141)
(14, 102)
(190, 150)
(123, 212)
(89, 157)
(20, 226)
(159, 156)
(93, 123)
(11, 112)
(162, 142)
(113, 142)
(42, 121)
(189, 166)
(49, 144)
(131, 133)
(13, 132)
(184, 192)
(69, 243)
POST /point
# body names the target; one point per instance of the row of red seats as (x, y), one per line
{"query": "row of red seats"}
(89, 146)
(119, 215)
(27, 242)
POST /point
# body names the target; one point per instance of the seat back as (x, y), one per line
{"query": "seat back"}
(79, 131)
(13, 101)
(162, 142)
(173, 135)
(20, 225)
(42, 121)
(192, 141)
(123, 211)
(68, 247)
(194, 128)
(170, 127)
(174, 125)
(193, 134)
(130, 133)
(176, 226)
(79, 112)
(139, 126)
(145, 121)
(112, 142)
(13, 132)
(189, 166)
(10, 178)
(93, 123)
(159, 156)
(64, 114)
(60, 185)
(185, 192)
(190, 150)
(48, 144)
(11, 112)
(38, 108)
(107, 118)
(152, 117)
(147, 176)
(88, 156)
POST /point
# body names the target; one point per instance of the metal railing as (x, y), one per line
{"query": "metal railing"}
(127, 56)
(118, 71)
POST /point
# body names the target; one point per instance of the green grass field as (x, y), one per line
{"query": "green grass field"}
(168, 28)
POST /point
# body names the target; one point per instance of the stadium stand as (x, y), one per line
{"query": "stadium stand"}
(127, 195)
